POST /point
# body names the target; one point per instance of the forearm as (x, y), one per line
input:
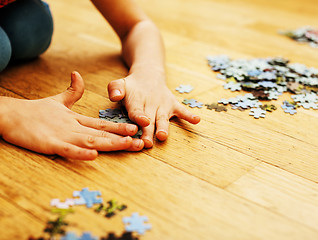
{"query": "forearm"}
(143, 48)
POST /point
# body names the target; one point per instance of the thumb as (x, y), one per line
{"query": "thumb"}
(74, 92)
(116, 90)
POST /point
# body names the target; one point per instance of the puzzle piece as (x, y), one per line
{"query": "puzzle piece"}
(184, 88)
(73, 236)
(216, 107)
(62, 211)
(87, 236)
(57, 203)
(112, 207)
(69, 236)
(233, 86)
(308, 105)
(267, 84)
(110, 113)
(223, 101)
(272, 94)
(268, 108)
(192, 103)
(87, 197)
(117, 116)
(124, 236)
(257, 113)
(136, 223)
(56, 227)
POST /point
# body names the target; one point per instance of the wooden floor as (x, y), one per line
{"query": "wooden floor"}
(229, 177)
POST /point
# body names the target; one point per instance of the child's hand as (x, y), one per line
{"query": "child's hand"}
(49, 126)
(150, 104)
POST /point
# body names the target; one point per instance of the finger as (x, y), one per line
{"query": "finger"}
(116, 90)
(107, 142)
(162, 125)
(148, 132)
(68, 150)
(183, 113)
(136, 145)
(108, 126)
(73, 93)
(137, 115)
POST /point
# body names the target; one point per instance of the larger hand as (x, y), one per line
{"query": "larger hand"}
(49, 126)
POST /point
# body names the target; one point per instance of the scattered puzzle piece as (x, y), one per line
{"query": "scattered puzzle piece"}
(192, 103)
(136, 223)
(112, 207)
(87, 236)
(87, 197)
(58, 204)
(257, 112)
(69, 236)
(184, 88)
(216, 107)
(233, 86)
(268, 107)
(124, 236)
(62, 211)
(56, 227)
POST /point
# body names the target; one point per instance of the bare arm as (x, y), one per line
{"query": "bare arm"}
(144, 92)
(49, 126)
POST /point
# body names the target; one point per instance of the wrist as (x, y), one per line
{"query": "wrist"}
(148, 71)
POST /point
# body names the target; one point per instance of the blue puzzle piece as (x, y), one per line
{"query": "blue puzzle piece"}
(136, 223)
(69, 236)
(87, 236)
(87, 197)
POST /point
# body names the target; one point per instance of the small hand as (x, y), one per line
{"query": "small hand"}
(49, 126)
(150, 104)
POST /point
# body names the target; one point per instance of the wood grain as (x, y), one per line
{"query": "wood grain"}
(230, 177)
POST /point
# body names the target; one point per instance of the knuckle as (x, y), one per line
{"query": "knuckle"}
(66, 149)
(102, 124)
(104, 134)
(90, 141)
(162, 117)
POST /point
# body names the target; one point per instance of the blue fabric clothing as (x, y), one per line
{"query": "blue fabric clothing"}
(26, 28)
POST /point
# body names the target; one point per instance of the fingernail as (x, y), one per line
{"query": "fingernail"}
(163, 131)
(131, 128)
(139, 143)
(148, 142)
(162, 135)
(116, 93)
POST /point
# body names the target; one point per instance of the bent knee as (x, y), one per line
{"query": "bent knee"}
(5, 50)
(29, 26)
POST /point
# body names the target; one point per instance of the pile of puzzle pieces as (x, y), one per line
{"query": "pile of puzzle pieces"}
(118, 115)
(265, 80)
(303, 34)
(133, 224)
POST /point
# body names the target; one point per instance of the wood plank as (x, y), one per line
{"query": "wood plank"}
(280, 192)
(170, 206)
